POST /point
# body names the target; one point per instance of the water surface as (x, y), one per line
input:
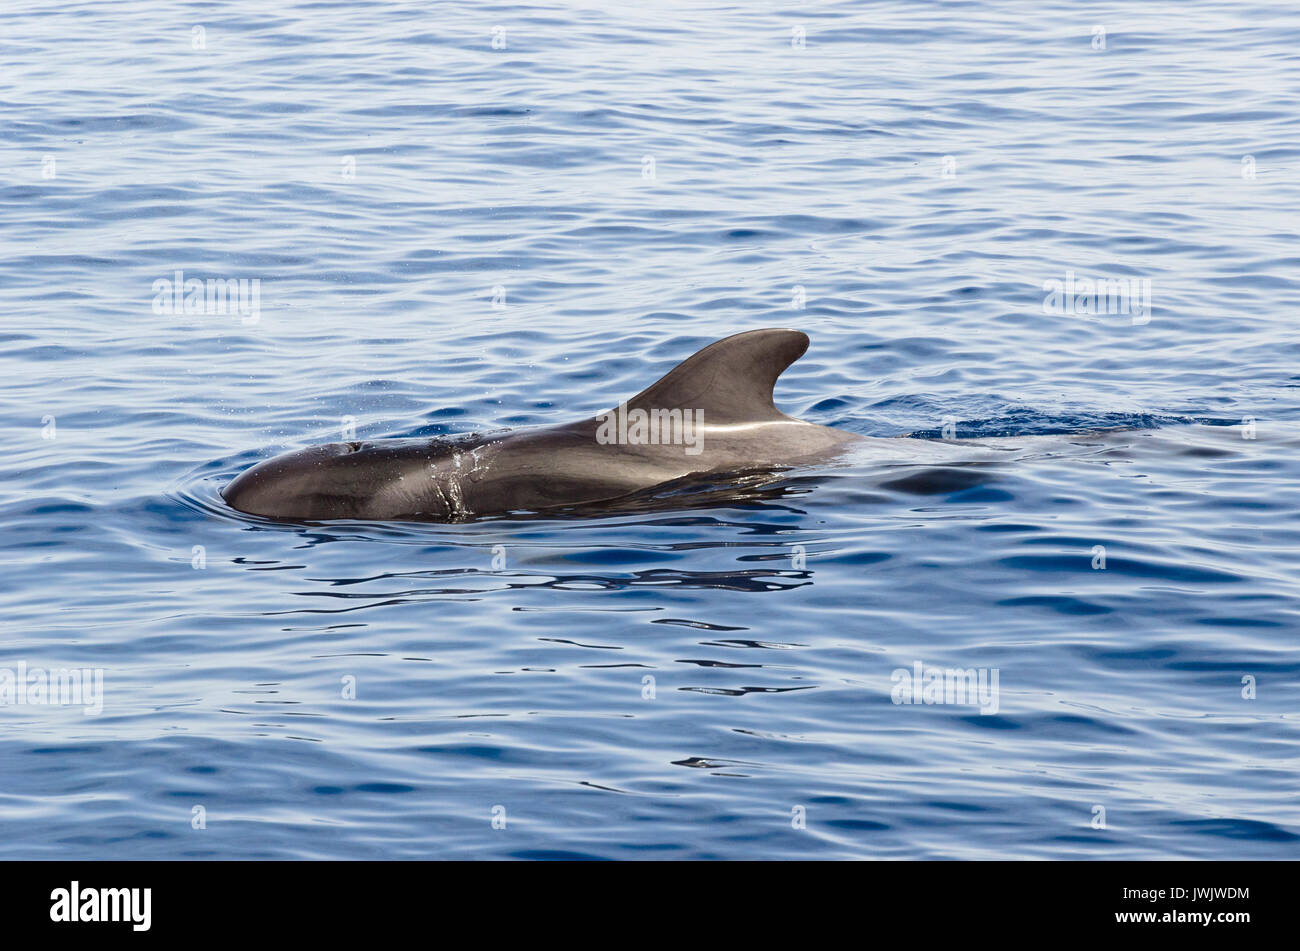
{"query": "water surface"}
(450, 236)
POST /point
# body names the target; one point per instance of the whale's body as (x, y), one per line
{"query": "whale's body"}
(710, 416)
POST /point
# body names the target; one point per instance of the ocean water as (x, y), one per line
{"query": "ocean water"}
(464, 216)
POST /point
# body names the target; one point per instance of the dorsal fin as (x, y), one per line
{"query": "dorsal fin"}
(730, 380)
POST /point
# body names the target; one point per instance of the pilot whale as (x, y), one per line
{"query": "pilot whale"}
(711, 415)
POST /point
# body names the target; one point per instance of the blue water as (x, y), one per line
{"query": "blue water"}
(451, 236)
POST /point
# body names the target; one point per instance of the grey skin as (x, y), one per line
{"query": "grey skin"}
(728, 384)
